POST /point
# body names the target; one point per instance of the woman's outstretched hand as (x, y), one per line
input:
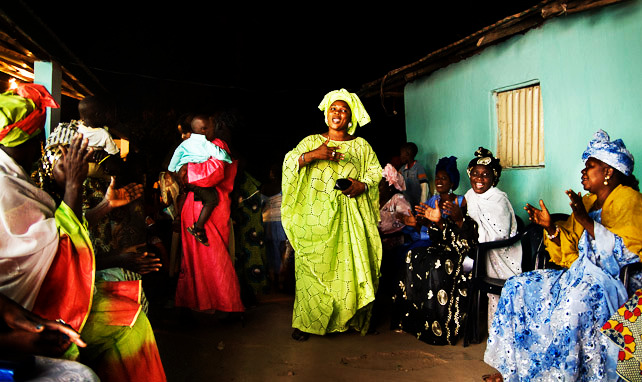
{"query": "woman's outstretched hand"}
(579, 211)
(410, 219)
(454, 211)
(541, 217)
(136, 259)
(117, 197)
(75, 162)
(577, 205)
(432, 214)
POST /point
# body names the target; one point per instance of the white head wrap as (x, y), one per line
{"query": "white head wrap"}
(359, 115)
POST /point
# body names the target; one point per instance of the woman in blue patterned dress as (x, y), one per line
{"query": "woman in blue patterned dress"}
(547, 324)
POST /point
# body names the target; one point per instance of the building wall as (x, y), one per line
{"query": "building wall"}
(589, 66)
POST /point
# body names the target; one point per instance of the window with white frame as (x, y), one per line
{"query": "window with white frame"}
(520, 127)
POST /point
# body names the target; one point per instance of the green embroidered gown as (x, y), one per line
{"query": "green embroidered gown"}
(335, 238)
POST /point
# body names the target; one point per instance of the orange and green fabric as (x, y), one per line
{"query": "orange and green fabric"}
(120, 342)
(67, 289)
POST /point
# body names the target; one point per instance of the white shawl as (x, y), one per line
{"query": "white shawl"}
(496, 220)
(28, 234)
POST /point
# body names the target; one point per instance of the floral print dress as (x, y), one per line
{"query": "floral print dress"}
(547, 324)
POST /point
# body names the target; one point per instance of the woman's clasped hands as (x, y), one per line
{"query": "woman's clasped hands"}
(27, 333)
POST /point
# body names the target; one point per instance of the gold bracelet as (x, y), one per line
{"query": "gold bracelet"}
(553, 236)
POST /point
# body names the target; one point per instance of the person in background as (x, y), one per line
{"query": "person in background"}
(249, 236)
(393, 208)
(274, 234)
(96, 114)
(184, 126)
(417, 183)
(197, 149)
(330, 212)
(118, 234)
(207, 281)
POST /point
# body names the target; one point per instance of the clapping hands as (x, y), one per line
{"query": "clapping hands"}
(118, 197)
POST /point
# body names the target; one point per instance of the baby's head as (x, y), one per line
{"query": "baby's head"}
(202, 125)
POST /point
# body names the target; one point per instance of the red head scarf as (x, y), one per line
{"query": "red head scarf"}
(23, 113)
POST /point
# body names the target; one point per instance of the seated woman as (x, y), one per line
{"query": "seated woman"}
(547, 324)
(429, 299)
(446, 182)
(120, 341)
(490, 208)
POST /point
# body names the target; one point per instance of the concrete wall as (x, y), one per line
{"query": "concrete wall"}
(589, 66)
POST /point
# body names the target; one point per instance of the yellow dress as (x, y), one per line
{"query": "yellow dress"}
(335, 238)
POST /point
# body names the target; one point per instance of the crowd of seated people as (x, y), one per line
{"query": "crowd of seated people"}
(575, 322)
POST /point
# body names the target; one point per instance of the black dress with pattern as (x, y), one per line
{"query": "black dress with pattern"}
(431, 297)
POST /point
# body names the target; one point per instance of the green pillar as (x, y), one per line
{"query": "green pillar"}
(49, 75)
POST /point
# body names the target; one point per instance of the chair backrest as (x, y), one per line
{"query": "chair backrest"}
(532, 245)
(535, 255)
(479, 267)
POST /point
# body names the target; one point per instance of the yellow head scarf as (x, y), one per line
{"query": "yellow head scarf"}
(22, 114)
(359, 115)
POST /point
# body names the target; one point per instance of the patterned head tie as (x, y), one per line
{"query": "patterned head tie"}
(59, 138)
(449, 164)
(23, 113)
(394, 178)
(359, 115)
(485, 157)
(613, 153)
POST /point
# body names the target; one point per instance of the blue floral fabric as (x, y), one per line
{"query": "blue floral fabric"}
(547, 323)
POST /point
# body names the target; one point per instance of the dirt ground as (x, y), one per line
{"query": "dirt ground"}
(258, 347)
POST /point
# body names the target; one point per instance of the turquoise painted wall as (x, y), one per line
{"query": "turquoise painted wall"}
(589, 66)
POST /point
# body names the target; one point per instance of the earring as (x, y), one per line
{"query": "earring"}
(349, 124)
(606, 180)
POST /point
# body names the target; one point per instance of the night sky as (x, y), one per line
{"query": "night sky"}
(270, 64)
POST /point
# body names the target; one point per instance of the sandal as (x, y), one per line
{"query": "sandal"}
(497, 377)
(300, 336)
(199, 234)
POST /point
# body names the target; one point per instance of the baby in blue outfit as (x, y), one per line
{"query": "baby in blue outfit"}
(198, 149)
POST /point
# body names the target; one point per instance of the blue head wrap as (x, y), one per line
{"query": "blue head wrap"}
(449, 164)
(613, 153)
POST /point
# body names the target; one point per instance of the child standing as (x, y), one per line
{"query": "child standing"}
(198, 149)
